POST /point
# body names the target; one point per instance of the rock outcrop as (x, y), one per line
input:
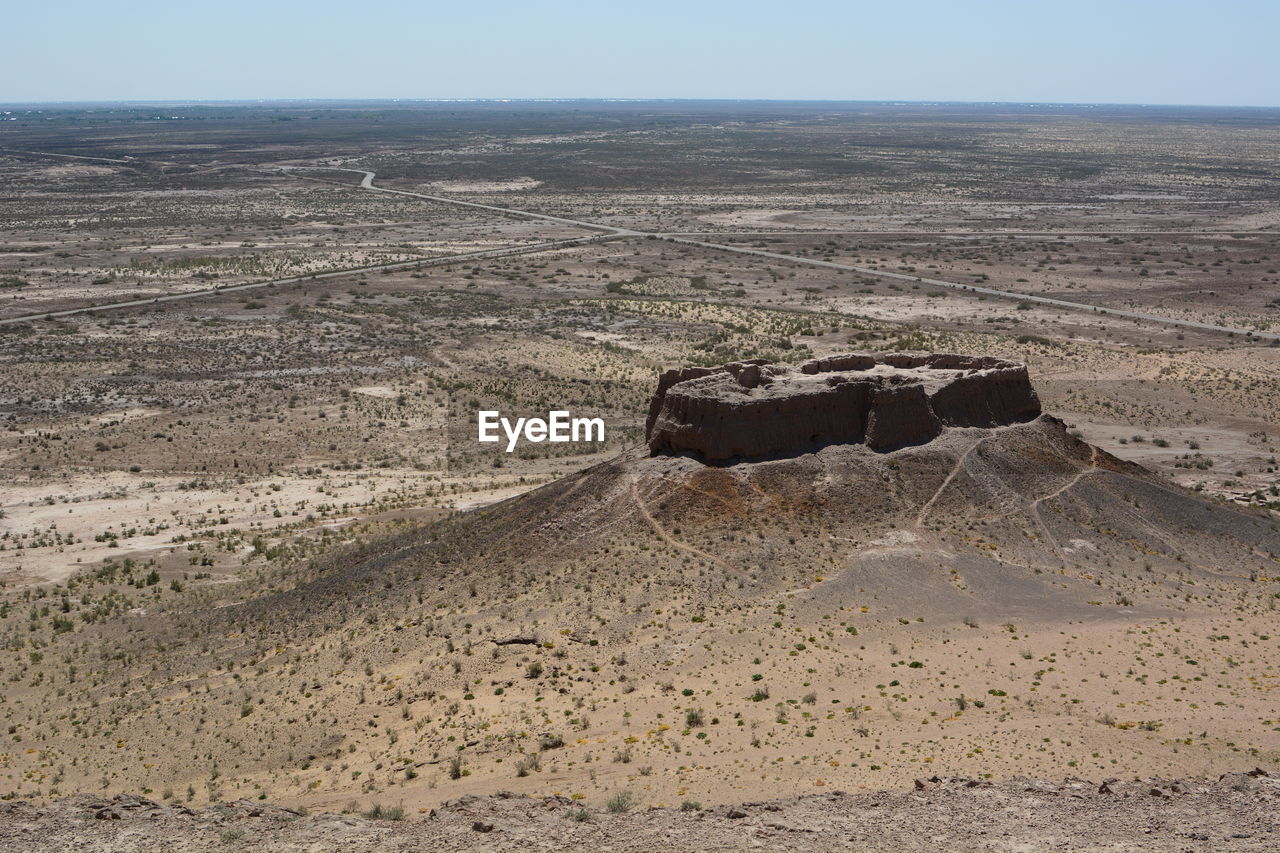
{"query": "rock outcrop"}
(751, 409)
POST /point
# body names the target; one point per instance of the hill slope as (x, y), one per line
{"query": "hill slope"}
(1003, 600)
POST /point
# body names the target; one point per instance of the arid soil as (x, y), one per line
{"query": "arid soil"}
(250, 547)
(1237, 812)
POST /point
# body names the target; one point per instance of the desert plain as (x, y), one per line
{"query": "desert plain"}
(252, 551)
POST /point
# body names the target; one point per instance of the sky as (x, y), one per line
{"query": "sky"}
(1214, 52)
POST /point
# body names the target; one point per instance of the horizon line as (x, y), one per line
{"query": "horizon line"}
(615, 100)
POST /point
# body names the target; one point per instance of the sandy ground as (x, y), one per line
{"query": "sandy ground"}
(89, 505)
(348, 395)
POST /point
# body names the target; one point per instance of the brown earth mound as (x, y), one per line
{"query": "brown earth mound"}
(660, 629)
(752, 409)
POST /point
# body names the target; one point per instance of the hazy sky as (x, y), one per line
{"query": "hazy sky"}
(1118, 51)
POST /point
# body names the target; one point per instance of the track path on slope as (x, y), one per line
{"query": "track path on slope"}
(962, 466)
(1093, 466)
(614, 232)
(667, 537)
(951, 475)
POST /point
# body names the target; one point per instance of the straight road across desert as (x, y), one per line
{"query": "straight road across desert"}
(614, 232)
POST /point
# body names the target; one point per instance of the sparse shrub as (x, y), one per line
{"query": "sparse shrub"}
(620, 802)
(381, 812)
